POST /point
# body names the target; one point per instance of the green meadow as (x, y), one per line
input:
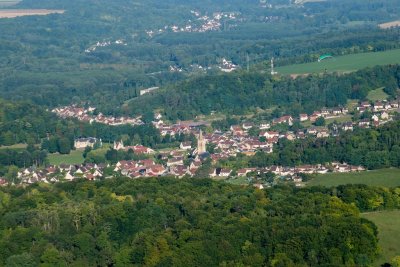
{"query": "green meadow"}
(346, 63)
(75, 157)
(388, 234)
(384, 177)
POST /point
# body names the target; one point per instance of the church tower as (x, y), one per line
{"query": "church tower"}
(201, 144)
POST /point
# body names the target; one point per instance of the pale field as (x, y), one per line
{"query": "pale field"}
(390, 24)
(13, 13)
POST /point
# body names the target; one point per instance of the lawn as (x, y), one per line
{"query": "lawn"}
(384, 177)
(377, 95)
(75, 157)
(389, 234)
(340, 119)
(15, 147)
(344, 63)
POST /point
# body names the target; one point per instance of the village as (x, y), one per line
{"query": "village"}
(189, 157)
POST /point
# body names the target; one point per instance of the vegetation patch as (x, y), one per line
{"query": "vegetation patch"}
(346, 63)
(75, 157)
(377, 95)
(388, 234)
(384, 177)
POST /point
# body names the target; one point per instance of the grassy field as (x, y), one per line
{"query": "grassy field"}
(377, 95)
(344, 63)
(15, 147)
(389, 234)
(384, 177)
(75, 157)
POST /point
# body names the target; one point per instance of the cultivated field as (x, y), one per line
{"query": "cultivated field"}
(344, 63)
(389, 25)
(384, 177)
(389, 234)
(13, 13)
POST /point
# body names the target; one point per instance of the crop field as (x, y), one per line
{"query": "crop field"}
(75, 157)
(13, 13)
(389, 234)
(384, 177)
(346, 63)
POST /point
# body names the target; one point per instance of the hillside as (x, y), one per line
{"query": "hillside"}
(241, 92)
(346, 63)
(171, 222)
(103, 52)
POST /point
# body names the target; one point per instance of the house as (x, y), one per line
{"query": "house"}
(348, 126)
(325, 112)
(186, 145)
(312, 130)
(290, 136)
(378, 105)
(364, 123)
(265, 126)
(323, 133)
(270, 134)
(365, 104)
(225, 172)
(375, 117)
(337, 111)
(385, 115)
(175, 161)
(284, 119)
(303, 117)
(394, 104)
(3, 181)
(247, 126)
(236, 130)
(82, 143)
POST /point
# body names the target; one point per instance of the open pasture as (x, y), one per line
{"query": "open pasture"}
(345, 63)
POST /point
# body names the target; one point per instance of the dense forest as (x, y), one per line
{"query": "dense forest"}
(372, 148)
(241, 92)
(43, 58)
(197, 222)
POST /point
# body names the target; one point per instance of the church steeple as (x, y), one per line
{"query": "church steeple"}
(201, 144)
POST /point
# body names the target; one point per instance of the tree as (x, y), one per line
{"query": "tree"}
(21, 260)
(64, 146)
(320, 121)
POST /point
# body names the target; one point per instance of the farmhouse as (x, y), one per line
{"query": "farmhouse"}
(86, 142)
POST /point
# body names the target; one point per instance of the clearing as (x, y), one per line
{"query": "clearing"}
(75, 157)
(389, 234)
(385, 177)
(346, 63)
(389, 25)
(13, 13)
(377, 95)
